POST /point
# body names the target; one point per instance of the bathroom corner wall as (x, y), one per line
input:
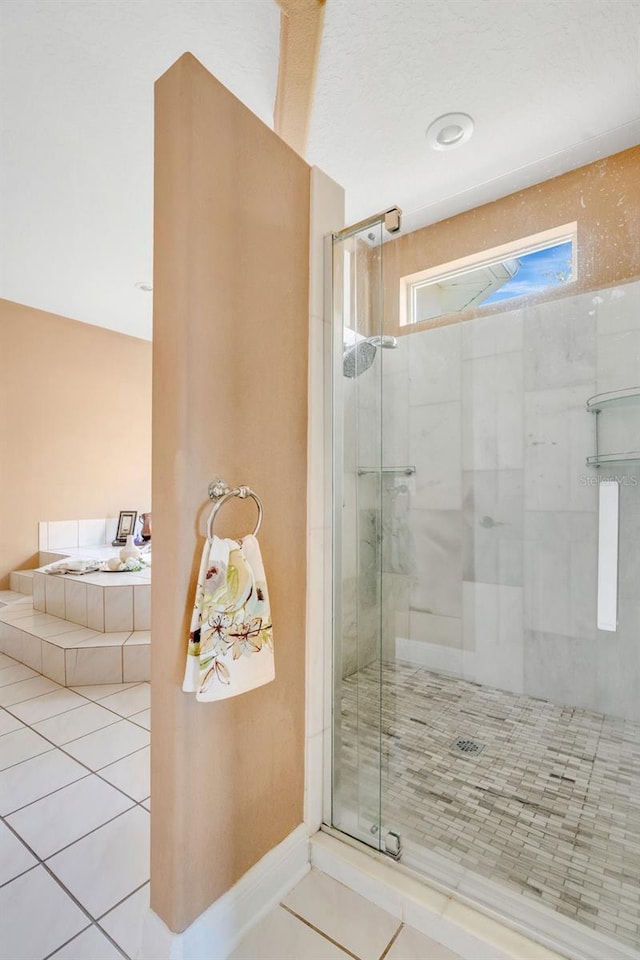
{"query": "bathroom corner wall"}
(75, 426)
(231, 337)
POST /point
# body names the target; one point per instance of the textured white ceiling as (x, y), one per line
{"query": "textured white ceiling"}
(550, 84)
(76, 93)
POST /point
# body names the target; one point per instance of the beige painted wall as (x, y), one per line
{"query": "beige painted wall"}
(75, 426)
(602, 197)
(231, 319)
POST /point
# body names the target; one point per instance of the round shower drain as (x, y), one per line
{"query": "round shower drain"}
(467, 745)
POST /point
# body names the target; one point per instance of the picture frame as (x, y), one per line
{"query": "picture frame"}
(126, 526)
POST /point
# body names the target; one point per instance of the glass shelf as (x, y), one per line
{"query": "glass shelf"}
(604, 458)
(612, 399)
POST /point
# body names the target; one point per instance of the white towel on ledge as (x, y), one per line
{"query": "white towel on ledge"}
(231, 637)
(76, 567)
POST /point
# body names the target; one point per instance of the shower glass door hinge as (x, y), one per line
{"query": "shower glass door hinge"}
(393, 845)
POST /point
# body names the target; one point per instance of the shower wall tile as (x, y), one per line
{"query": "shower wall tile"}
(618, 663)
(397, 526)
(560, 668)
(529, 522)
(618, 360)
(492, 422)
(395, 362)
(564, 526)
(419, 650)
(360, 634)
(434, 365)
(629, 544)
(489, 336)
(559, 344)
(349, 519)
(493, 521)
(559, 436)
(560, 580)
(617, 309)
(396, 589)
(619, 432)
(395, 431)
(493, 634)
(437, 586)
(349, 451)
(434, 444)
(366, 425)
(429, 628)
(368, 556)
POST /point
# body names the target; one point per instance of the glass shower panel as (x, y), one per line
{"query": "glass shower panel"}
(487, 611)
(357, 275)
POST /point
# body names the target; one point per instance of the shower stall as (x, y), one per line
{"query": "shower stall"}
(486, 563)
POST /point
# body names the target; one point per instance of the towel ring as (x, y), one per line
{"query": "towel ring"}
(243, 493)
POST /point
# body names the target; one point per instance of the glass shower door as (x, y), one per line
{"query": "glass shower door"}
(357, 426)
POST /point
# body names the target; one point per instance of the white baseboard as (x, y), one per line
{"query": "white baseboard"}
(217, 931)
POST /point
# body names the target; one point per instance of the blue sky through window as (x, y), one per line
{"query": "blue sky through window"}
(538, 271)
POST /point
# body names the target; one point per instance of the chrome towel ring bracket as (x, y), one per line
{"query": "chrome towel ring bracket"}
(220, 491)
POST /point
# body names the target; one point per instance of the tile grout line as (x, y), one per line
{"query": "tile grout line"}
(62, 687)
(43, 862)
(392, 941)
(117, 718)
(326, 936)
(96, 923)
(72, 897)
(72, 690)
(95, 773)
(51, 955)
(81, 763)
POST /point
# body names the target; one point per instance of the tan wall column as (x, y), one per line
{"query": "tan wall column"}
(231, 317)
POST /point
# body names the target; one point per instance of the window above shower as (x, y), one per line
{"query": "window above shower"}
(526, 267)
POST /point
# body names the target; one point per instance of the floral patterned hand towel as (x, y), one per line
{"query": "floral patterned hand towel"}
(231, 638)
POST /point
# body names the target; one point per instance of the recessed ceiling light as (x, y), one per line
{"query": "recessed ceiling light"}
(144, 285)
(449, 131)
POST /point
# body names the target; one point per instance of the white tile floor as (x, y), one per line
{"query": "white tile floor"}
(74, 828)
(323, 920)
(74, 843)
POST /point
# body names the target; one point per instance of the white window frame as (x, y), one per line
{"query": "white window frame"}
(515, 248)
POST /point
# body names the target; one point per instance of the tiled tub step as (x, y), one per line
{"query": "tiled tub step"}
(69, 653)
(21, 581)
(107, 602)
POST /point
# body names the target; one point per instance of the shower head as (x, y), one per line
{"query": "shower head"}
(361, 355)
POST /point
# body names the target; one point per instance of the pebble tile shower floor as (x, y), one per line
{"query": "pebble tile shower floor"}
(549, 806)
